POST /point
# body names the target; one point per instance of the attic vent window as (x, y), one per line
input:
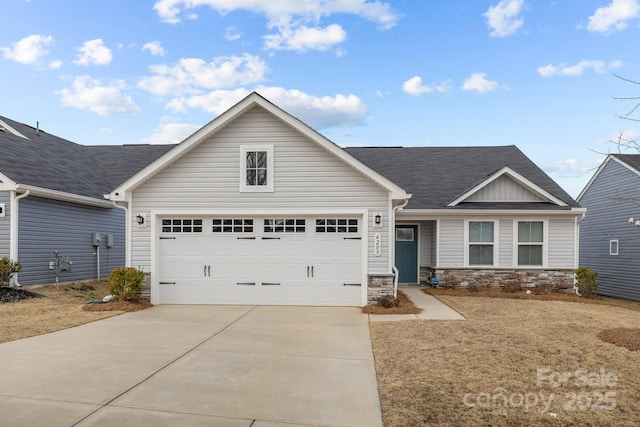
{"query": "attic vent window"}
(256, 166)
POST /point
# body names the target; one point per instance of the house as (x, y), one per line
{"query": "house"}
(51, 199)
(258, 208)
(609, 237)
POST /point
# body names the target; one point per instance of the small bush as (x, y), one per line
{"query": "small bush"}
(126, 283)
(388, 301)
(545, 288)
(586, 281)
(449, 280)
(7, 269)
(473, 287)
(514, 283)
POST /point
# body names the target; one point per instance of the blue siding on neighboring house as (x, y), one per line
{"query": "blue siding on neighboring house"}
(5, 223)
(612, 198)
(45, 225)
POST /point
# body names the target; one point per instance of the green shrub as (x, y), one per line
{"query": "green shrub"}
(126, 283)
(7, 269)
(586, 281)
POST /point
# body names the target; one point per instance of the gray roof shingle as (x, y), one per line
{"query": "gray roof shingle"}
(47, 161)
(632, 160)
(438, 175)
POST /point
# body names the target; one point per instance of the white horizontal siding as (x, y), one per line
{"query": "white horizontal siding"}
(5, 224)
(427, 242)
(503, 189)
(561, 244)
(306, 177)
(452, 245)
(505, 238)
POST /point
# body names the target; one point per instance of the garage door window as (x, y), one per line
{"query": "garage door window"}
(336, 225)
(284, 225)
(182, 225)
(232, 225)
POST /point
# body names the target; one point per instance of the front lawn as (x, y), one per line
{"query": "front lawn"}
(512, 362)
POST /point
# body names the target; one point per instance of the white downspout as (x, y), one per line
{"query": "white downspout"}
(13, 233)
(127, 255)
(577, 243)
(392, 234)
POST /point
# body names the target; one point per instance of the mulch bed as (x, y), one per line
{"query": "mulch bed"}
(628, 338)
(15, 294)
(405, 306)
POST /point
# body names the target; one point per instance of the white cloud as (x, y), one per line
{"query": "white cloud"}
(614, 17)
(154, 48)
(94, 52)
(318, 112)
(305, 38)
(571, 168)
(578, 69)
(29, 49)
(478, 82)
(91, 94)
(192, 75)
(231, 33)
(171, 133)
(504, 18)
(279, 11)
(55, 64)
(414, 87)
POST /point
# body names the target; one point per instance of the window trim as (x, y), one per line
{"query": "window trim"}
(544, 244)
(617, 243)
(494, 243)
(244, 188)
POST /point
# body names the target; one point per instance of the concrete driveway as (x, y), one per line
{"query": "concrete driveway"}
(196, 366)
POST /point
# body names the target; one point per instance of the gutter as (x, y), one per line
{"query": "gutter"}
(13, 251)
(396, 273)
(578, 222)
(63, 196)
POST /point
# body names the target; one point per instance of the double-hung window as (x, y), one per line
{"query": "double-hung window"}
(256, 166)
(481, 242)
(530, 242)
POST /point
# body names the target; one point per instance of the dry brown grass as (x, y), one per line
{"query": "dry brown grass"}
(63, 308)
(426, 368)
(405, 306)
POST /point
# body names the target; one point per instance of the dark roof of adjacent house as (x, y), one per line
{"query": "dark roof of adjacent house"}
(47, 161)
(632, 160)
(436, 176)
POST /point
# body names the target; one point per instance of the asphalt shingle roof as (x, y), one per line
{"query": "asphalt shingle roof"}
(438, 175)
(47, 161)
(632, 160)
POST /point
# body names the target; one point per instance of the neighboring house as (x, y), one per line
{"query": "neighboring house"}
(609, 239)
(51, 198)
(258, 208)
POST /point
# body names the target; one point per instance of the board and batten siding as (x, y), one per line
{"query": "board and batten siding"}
(503, 189)
(47, 225)
(611, 199)
(560, 244)
(306, 177)
(5, 224)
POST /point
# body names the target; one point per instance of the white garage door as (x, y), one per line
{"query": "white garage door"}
(257, 260)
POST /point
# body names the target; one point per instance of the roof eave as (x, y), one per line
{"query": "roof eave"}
(63, 196)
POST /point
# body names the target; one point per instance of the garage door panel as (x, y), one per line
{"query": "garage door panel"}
(253, 266)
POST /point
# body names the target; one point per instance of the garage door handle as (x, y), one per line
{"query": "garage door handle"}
(167, 238)
(352, 238)
(209, 270)
(246, 238)
(167, 283)
(271, 284)
(270, 238)
(205, 271)
(246, 283)
(351, 284)
(312, 271)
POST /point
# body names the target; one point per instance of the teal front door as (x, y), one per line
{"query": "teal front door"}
(407, 253)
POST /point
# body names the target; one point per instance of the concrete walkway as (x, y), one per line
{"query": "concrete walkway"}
(196, 366)
(433, 309)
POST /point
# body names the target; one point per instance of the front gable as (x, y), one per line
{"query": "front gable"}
(226, 119)
(507, 186)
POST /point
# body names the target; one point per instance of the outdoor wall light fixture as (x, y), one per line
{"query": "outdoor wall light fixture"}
(634, 222)
(377, 219)
(140, 219)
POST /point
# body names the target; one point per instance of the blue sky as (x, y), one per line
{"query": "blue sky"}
(537, 74)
